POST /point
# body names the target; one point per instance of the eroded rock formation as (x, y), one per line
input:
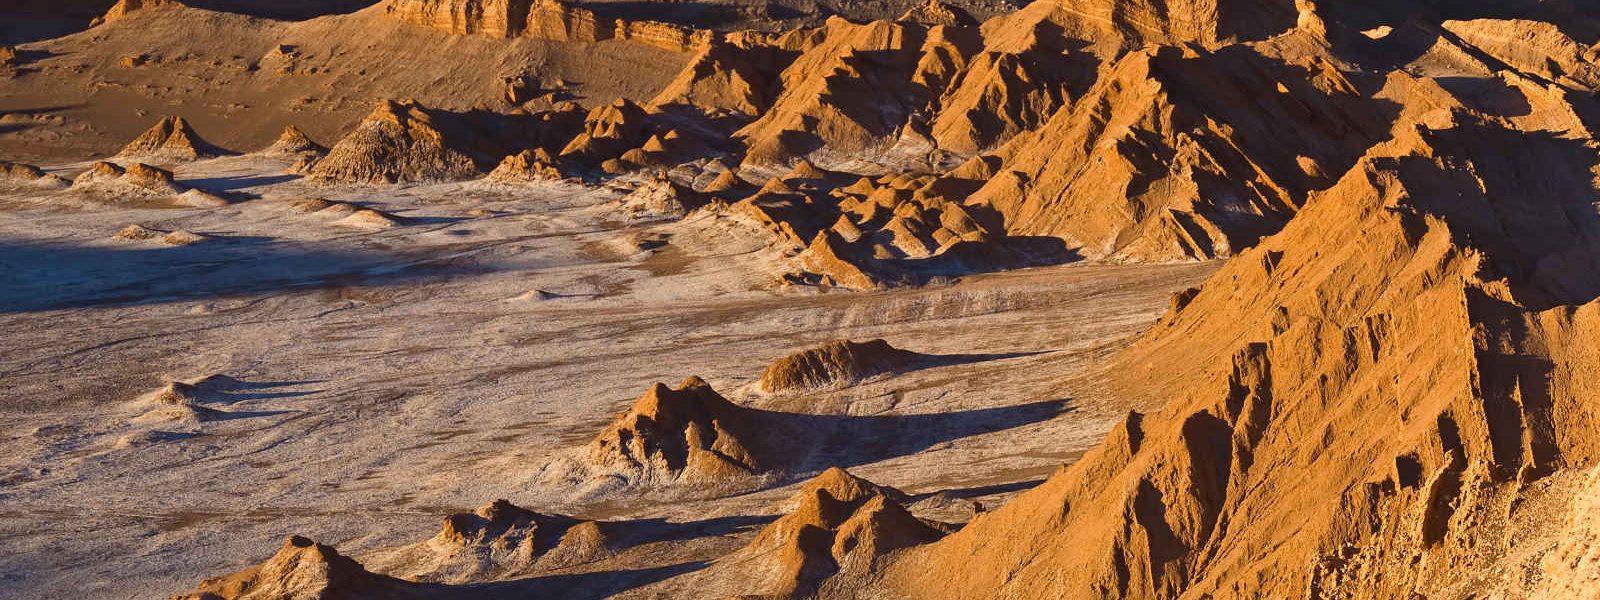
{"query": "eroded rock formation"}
(837, 363)
(405, 142)
(839, 526)
(304, 569)
(541, 19)
(140, 182)
(1387, 376)
(687, 434)
(496, 541)
(170, 140)
(293, 142)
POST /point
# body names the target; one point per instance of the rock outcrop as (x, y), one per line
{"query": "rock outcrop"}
(852, 91)
(1139, 23)
(12, 172)
(124, 8)
(739, 76)
(934, 12)
(835, 364)
(608, 132)
(1533, 47)
(1153, 154)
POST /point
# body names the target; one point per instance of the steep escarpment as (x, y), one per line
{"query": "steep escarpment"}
(1372, 392)
(1208, 22)
(540, 19)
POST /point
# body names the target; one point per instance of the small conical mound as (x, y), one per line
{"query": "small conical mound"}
(177, 402)
(400, 142)
(24, 174)
(304, 569)
(608, 132)
(137, 232)
(838, 485)
(497, 539)
(171, 139)
(138, 180)
(293, 141)
(527, 166)
(660, 199)
(806, 170)
(688, 434)
(724, 182)
(833, 261)
(18, 172)
(177, 237)
(345, 214)
(838, 527)
(366, 218)
(835, 364)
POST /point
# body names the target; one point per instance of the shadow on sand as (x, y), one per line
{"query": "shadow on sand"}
(47, 276)
(584, 586)
(979, 491)
(850, 440)
(226, 390)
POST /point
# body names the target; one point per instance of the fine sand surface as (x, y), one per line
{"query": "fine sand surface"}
(373, 380)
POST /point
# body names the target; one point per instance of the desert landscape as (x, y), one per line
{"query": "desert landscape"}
(799, 299)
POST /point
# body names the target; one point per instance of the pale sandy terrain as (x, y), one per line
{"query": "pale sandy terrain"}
(380, 379)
